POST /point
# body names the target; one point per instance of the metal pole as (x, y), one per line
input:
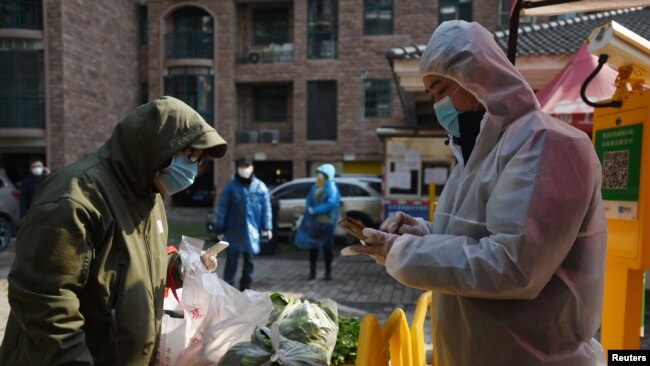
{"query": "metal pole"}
(513, 32)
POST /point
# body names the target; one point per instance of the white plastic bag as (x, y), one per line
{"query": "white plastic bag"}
(218, 314)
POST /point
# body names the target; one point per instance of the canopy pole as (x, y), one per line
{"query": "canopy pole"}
(513, 31)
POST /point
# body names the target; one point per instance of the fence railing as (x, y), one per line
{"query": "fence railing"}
(21, 14)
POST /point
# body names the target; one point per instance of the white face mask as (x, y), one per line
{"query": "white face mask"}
(245, 172)
(37, 171)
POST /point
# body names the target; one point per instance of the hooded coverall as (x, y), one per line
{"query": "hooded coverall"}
(515, 257)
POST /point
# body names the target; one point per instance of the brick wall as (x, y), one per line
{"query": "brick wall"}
(92, 73)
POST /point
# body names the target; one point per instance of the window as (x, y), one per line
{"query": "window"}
(351, 190)
(270, 26)
(144, 25)
(192, 35)
(455, 9)
(377, 98)
(22, 89)
(193, 85)
(377, 17)
(270, 103)
(21, 14)
(321, 110)
(293, 191)
(322, 28)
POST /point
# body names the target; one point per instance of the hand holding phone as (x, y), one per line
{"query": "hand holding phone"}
(209, 257)
(353, 227)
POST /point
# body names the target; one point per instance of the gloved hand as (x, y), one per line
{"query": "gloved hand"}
(402, 223)
(382, 243)
(267, 234)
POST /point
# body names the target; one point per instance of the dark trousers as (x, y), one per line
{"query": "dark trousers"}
(229, 273)
(313, 258)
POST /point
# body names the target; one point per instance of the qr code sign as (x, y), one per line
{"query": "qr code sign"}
(615, 169)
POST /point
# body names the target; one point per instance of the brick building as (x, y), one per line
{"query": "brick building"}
(291, 84)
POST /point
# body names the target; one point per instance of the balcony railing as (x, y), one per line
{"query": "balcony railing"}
(22, 112)
(271, 54)
(189, 44)
(264, 136)
(21, 14)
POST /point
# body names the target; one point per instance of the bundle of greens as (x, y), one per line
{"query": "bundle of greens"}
(268, 347)
(347, 341)
(314, 323)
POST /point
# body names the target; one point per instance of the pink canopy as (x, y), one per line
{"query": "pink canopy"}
(561, 97)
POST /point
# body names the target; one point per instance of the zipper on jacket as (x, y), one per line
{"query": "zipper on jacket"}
(113, 334)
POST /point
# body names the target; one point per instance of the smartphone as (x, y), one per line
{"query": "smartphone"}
(217, 248)
(353, 227)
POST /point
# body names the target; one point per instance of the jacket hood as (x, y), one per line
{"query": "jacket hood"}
(144, 141)
(467, 53)
(328, 170)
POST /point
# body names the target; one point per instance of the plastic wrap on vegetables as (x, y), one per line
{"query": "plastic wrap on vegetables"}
(311, 323)
(269, 348)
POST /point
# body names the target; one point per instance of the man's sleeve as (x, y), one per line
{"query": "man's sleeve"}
(53, 255)
(222, 209)
(267, 218)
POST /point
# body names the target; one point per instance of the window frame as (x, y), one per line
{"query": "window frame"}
(377, 7)
(261, 16)
(380, 98)
(264, 93)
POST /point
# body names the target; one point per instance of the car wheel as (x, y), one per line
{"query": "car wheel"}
(5, 233)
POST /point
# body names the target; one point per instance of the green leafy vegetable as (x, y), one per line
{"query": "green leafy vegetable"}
(347, 341)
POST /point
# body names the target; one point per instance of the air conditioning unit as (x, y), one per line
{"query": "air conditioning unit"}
(247, 136)
(270, 136)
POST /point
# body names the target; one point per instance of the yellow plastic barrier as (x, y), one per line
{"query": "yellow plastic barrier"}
(373, 348)
(396, 330)
(406, 345)
(417, 329)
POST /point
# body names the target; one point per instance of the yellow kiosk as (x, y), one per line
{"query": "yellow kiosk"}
(622, 142)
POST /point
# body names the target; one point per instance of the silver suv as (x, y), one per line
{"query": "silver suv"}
(360, 199)
(9, 210)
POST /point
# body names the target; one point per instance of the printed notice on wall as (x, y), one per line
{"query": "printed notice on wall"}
(436, 175)
(399, 180)
(412, 159)
(396, 149)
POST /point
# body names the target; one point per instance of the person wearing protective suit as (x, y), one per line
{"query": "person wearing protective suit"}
(91, 264)
(320, 218)
(243, 215)
(515, 254)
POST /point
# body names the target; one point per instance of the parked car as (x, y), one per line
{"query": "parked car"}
(360, 199)
(9, 210)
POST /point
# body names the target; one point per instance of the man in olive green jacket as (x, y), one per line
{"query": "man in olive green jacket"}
(86, 286)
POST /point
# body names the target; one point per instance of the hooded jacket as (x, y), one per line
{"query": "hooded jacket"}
(86, 286)
(242, 213)
(516, 251)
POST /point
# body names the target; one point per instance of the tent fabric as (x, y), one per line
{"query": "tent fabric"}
(561, 96)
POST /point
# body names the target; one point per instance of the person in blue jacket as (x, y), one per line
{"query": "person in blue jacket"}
(322, 212)
(243, 216)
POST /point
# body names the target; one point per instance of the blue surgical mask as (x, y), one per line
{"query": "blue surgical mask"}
(448, 114)
(179, 174)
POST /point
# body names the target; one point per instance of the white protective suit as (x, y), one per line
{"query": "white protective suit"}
(516, 253)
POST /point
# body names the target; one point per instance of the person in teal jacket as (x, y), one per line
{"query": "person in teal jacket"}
(243, 216)
(322, 212)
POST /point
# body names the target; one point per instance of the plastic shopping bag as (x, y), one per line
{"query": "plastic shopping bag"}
(219, 315)
(172, 340)
(268, 347)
